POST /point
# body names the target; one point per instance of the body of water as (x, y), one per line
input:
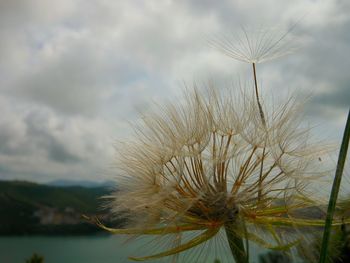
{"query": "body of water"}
(85, 249)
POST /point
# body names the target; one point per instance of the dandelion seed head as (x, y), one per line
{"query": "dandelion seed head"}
(210, 161)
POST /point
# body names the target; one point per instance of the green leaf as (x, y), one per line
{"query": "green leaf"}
(335, 191)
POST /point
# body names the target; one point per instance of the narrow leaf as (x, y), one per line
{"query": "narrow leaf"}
(335, 191)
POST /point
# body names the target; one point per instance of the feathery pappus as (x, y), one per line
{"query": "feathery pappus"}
(209, 170)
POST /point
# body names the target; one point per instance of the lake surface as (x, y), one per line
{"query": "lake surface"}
(85, 249)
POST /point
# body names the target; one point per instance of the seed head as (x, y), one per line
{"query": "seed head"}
(209, 163)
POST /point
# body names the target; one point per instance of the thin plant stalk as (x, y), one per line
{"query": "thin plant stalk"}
(262, 116)
(335, 190)
(240, 254)
(246, 240)
(236, 243)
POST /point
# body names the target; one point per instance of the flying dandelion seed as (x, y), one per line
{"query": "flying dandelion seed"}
(256, 45)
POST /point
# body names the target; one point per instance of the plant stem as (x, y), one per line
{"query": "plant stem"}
(236, 243)
(335, 190)
(262, 116)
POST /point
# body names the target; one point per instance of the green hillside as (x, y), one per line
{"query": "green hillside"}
(29, 208)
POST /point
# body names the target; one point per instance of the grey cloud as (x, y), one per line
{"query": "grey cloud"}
(38, 144)
(323, 67)
(9, 141)
(339, 98)
(67, 85)
(41, 136)
(85, 68)
(78, 81)
(57, 152)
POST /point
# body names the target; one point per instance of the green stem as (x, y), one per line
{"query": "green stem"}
(263, 120)
(335, 190)
(236, 243)
(262, 115)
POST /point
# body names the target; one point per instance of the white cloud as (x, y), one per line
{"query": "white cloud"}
(37, 144)
(74, 73)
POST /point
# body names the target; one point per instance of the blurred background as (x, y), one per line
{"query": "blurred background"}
(74, 74)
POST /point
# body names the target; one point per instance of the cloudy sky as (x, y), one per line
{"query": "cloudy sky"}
(74, 74)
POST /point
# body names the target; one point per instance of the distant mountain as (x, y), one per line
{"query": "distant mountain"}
(30, 208)
(83, 183)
